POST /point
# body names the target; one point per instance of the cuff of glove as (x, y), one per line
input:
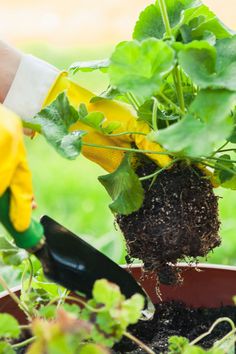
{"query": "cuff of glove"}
(30, 86)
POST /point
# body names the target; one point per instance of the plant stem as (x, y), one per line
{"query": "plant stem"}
(158, 171)
(23, 292)
(176, 73)
(126, 133)
(179, 88)
(220, 167)
(34, 127)
(79, 301)
(25, 342)
(62, 298)
(139, 343)
(133, 100)
(31, 275)
(220, 148)
(165, 17)
(225, 150)
(14, 297)
(25, 326)
(154, 114)
(220, 320)
(127, 149)
(175, 107)
(220, 159)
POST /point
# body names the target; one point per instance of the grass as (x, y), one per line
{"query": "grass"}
(69, 191)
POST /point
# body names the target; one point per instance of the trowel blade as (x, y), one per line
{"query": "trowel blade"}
(76, 265)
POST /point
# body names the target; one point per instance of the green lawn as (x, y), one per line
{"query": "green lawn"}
(69, 191)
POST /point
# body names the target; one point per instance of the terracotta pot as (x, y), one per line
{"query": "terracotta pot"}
(208, 286)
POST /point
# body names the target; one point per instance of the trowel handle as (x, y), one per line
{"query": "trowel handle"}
(26, 239)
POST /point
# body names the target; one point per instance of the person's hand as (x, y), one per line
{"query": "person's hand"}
(114, 112)
(14, 170)
(9, 62)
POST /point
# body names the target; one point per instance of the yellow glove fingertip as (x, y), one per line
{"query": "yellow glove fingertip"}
(20, 212)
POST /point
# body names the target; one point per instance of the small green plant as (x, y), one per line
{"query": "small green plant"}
(62, 323)
(57, 325)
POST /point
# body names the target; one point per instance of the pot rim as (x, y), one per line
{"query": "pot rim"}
(192, 265)
(140, 265)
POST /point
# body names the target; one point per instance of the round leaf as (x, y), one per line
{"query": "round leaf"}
(140, 67)
(9, 326)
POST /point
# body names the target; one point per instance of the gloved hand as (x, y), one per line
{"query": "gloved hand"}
(14, 170)
(114, 112)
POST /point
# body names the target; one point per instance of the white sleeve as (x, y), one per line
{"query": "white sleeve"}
(30, 86)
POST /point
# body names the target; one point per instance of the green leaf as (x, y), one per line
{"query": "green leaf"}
(187, 17)
(42, 284)
(228, 347)
(145, 111)
(82, 111)
(122, 185)
(140, 67)
(206, 123)
(10, 254)
(54, 122)
(133, 308)
(72, 308)
(150, 23)
(212, 24)
(222, 174)
(97, 121)
(232, 137)
(94, 120)
(180, 345)
(48, 312)
(110, 94)
(208, 66)
(9, 326)
(88, 66)
(200, 19)
(209, 37)
(177, 344)
(5, 348)
(107, 293)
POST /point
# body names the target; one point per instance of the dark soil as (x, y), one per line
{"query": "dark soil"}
(178, 220)
(174, 318)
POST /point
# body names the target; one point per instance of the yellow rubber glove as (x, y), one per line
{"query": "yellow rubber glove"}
(114, 112)
(14, 171)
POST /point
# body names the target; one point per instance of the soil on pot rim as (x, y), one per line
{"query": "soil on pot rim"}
(173, 319)
(178, 219)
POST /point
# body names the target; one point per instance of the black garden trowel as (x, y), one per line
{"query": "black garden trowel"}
(67, 259)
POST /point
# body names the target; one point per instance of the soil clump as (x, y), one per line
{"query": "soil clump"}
(175, 319)
(177, 221)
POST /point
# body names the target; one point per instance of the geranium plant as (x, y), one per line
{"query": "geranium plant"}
(178, 74)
